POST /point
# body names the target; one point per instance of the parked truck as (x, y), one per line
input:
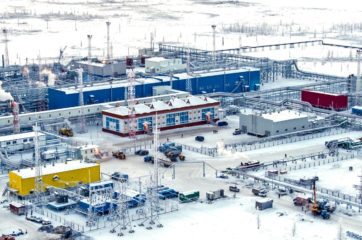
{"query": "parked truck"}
(261, 192)
(119, 155)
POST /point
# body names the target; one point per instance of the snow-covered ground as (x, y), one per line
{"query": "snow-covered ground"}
(330, 176)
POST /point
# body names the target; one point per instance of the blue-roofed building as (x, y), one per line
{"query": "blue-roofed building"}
(236, 80)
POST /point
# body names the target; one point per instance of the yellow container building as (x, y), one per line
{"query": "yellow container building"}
(60, 175)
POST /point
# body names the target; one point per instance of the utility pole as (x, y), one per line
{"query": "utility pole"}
(89, 58)
(6, 60)
(81, 101)
(213, 44)
(108, 41)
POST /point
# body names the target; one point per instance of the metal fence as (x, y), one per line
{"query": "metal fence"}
(53, 216)
(201, 150)
(316, 163)
(248, 146)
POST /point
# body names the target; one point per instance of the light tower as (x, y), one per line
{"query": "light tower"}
(81, 101)
(108, 41)
(213, 43)
(131, 104)
(15, 111)
(6, 60)
(359, 79)
(188, 80)
(89, 57)
(38, 167)
(152, 191)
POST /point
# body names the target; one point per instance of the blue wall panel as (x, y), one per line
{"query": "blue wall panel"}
(228, 82)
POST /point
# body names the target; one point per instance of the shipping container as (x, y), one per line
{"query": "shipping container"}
(263, 204)
(357, 110)
(337, 102)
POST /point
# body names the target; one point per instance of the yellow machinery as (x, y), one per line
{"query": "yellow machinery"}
(66, 132)
(61, 175)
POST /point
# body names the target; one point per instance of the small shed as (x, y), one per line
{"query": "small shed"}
(262, 204)
(17, 208)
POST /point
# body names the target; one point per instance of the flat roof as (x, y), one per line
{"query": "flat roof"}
(107, 85)
(53, 169)
(215, 72)
(154, 79)
(19, 136)
(283, 115)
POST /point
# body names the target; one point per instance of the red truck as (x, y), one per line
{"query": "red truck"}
(338, 102)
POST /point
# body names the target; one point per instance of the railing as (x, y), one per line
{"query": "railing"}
(253, 145)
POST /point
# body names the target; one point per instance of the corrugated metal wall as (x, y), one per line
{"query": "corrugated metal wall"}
(228, 82)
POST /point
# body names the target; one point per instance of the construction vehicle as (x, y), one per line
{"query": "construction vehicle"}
(301, 201)
(171, 151)
(66, 131)
(320, 208)
(119, 155)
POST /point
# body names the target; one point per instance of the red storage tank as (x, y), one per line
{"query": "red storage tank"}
(325, 100)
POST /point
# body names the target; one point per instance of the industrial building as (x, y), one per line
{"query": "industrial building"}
(102, 69)
(163, 65)
(338, 102)
(175, 113)
(21, 141)
(59, 175)
(274, 123)
(231, 81)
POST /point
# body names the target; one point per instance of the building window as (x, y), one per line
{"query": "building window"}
(277, 131)
(170, 119)
(295, 128)
(302, 126)
(286, 129)
(141, 121)
(112, 124)
(14, 142)
(207, 111)
(8, 143)
(184, 117)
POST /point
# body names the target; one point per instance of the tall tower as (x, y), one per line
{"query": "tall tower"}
(153, 201)
(15, 111)
(108, 41)
(359, 79)
(188, 80)
(90, 79)
(131, 105)
(38, 167)
(213, 43)
(6, 60)
(81, 101)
